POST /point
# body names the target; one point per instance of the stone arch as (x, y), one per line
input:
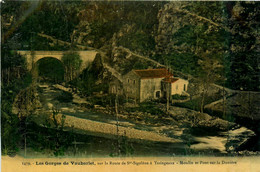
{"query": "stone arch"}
(33, 56)
(50, 69)
(46, 57)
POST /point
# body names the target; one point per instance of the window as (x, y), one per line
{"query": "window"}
(176, 87)
(184, 87)
(128, 80)
(134, 82)
(158, 94)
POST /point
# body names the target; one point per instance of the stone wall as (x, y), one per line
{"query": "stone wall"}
(131, 84)
(116, 87)
(149, 87)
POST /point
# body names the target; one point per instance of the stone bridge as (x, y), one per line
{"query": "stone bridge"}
(86, 56)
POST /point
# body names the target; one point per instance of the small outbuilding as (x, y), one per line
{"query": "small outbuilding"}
(177, 85)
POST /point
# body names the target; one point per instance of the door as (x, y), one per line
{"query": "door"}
(158, 94)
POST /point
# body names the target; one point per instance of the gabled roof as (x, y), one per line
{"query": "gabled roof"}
(170, 80)
(153, 73)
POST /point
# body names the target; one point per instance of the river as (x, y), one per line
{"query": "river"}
(99, 135)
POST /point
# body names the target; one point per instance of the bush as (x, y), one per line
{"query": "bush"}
(107, 100)
(179, 97)
(149, 107)
(195, 104)
(49, 139)
(18, 79)
(65, 97)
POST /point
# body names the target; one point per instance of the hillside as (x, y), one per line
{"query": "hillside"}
(176, 34)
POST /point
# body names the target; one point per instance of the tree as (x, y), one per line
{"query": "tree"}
(186, 29)
(72, 63)
(14, 78)
(13, 66)
(244, 58)
(12, 13)
(210, 66)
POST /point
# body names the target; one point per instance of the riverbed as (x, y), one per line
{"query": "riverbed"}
(98, 133)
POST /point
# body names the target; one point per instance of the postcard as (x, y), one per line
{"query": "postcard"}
(130, 85)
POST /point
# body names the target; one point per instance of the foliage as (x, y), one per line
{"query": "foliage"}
(48, 138)
(72, 63)
(86, 83)
(178, 97)
(148, 107)
(58, 23)
(142, 16)
(13, 65)
(10, 135)
(101, 32)
(244, 55)
(176, 31)
(195, 104)
(122, 147)
(210, 73)
(227, 30)
(138, 41)
(26, 101)
(15, 79)
(133, 63)
(183, 62)
(11, 14)
(107, 100)
(104, 20)
(64, 97)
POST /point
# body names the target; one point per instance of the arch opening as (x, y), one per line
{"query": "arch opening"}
(50, 69)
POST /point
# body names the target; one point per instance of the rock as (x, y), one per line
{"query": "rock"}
(99, 107)
(249, 153)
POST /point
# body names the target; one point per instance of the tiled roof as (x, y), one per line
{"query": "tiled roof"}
(171, 80)
(153, 73)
